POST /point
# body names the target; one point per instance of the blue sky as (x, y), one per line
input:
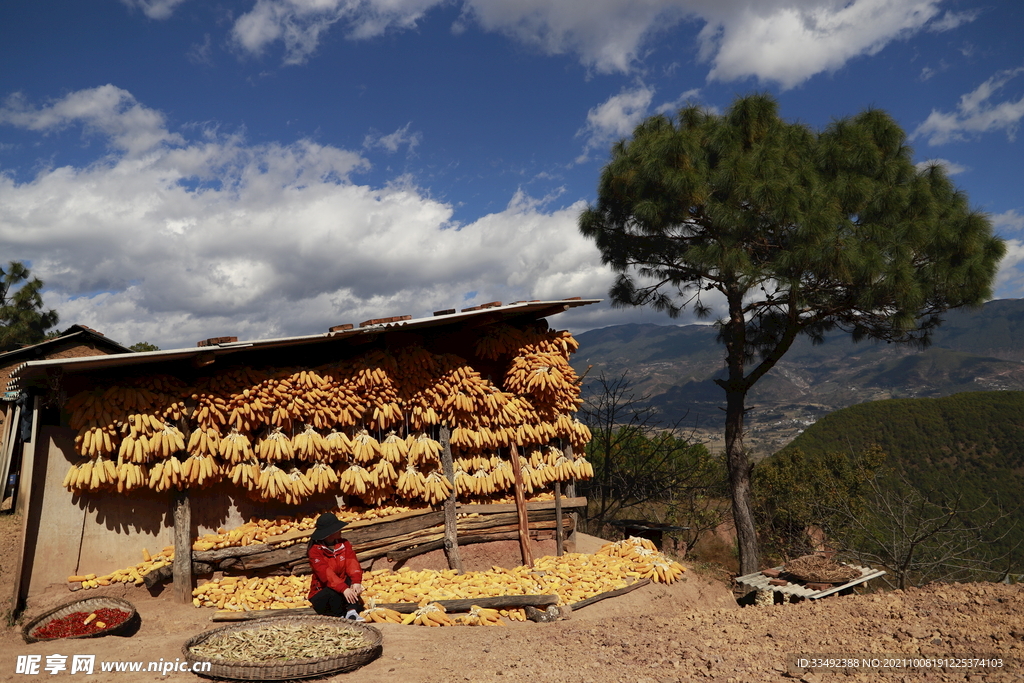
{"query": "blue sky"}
(181, 169)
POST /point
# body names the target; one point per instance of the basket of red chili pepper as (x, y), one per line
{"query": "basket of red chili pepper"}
(87, 618)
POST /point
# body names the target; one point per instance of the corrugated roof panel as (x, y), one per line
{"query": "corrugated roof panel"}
(541, 309)
(759, 581)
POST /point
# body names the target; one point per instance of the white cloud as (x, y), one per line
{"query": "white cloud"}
(689, 97)
(106, 110)
(1008, 221)
(1010, 278)
(785, 41)
(927, 73)
(607, 35)
(788, 41)
(951, 167)
(201, 53)
(952, 20)
(976, 113)
(615, 118)
(393, 141)
(154, 9)
(299, 24)
(220, 236)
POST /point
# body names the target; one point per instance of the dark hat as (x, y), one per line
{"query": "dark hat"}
(327, 524)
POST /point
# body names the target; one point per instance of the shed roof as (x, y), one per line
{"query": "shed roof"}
(75, 332)
(482, 315)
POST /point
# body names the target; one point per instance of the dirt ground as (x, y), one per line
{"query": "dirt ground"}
(691, 630)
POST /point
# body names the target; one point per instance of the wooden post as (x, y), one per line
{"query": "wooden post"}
(570, 491)
(10, 437)
(451, 533)
(181, 570)
(559, 532)
(524, 520)
(29, 516)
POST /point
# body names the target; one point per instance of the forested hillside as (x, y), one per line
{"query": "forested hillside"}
(676, 365)
(969, 444)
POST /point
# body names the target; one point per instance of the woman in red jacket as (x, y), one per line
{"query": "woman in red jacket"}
(335, 586)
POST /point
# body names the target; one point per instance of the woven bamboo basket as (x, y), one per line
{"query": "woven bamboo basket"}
(298, 668)
(86, 605)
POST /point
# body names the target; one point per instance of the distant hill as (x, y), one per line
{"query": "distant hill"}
(971, 442)
(677, 365)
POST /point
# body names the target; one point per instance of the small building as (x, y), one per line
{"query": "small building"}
(78, 341)
(100, 529)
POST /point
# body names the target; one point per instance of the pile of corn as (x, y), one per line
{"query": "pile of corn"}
(646, 559)
(133, 574)
(572, 577)
(366, 427)
(237, 593)
(252, 532)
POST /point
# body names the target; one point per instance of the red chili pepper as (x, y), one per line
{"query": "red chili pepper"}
(73, 624)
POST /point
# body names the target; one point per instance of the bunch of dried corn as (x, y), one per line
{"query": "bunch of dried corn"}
(480, 616)
(380, 615)
(645, 558)
(362, 427)
(133, 574)
(431, 614)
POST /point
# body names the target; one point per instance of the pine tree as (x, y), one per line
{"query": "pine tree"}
(22, 318)
(790, 231)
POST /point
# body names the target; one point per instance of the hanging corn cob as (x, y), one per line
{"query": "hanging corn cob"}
(303, 416)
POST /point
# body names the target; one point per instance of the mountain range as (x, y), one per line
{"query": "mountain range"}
(674, 368)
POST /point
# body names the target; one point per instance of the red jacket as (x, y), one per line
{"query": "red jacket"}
(334, 566)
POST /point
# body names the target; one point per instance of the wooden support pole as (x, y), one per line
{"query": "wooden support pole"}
(559, 534)
(181, 570)
(570, 491)
(451, 533)
(524, 523)
(10, 437)
(29, 513)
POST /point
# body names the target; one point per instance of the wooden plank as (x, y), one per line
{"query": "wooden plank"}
(388, 529)
(486, 537)
(499, 602)
(295, 555)
(491, 521)
(181, 571)
(363, 534)
(609, 594)
(359, 524)
(371, 530)
(267, 559)
(505, 533)
(493, 508)
(451, 530)
(229, 552)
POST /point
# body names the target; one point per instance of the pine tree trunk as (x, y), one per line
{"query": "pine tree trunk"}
(739, 483)
(736, 387)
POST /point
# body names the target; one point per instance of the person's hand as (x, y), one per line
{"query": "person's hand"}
(352, 592)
